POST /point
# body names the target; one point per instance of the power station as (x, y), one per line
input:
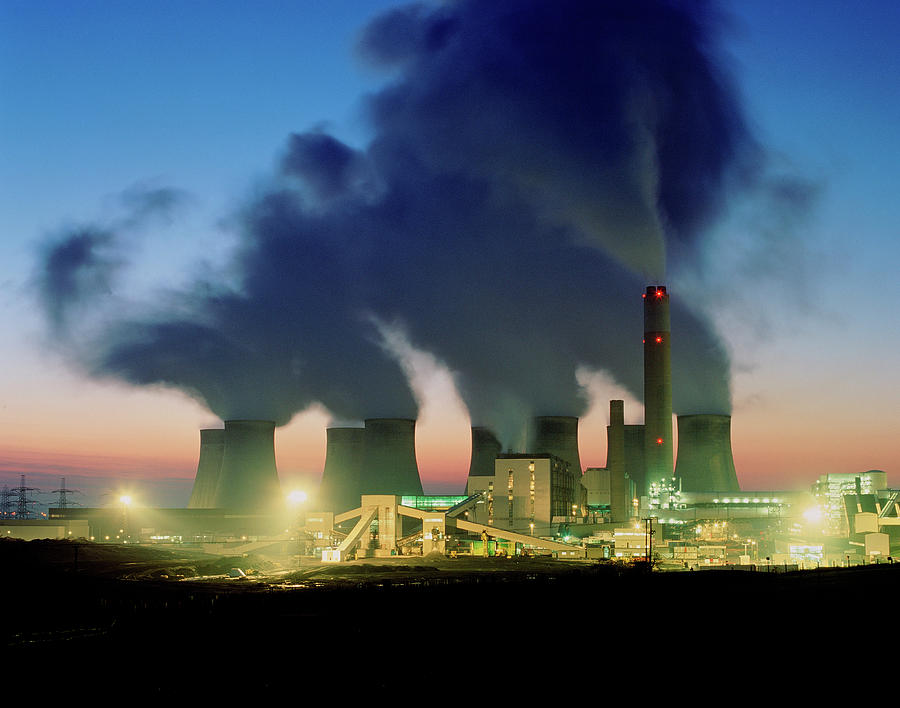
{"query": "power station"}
(538, 490)
(540, 499)
(236, 470)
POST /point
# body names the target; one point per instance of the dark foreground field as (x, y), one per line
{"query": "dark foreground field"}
(169, 625)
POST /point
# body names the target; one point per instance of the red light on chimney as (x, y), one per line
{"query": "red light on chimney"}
(659, 293)
(659, 441)
(644, 295)
(659, 340)
(643, 341)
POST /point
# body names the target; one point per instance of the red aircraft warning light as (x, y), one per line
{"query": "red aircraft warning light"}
(659, 441)
(659, 340)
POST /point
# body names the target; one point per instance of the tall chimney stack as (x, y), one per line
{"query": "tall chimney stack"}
(615, 462)
(248, 479)
(705, 461)
(389, 457)
(658, 451)
(342, 476)
(212, 445)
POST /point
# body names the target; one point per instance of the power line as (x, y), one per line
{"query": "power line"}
(63, 501)
(23, 501)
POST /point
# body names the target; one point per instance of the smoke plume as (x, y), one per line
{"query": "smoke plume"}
(533, 165)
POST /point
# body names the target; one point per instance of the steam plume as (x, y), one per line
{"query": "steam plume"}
(533, 164)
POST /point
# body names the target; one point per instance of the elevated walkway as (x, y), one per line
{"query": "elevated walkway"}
(463, 506)
(524, 539)
(891, 505)
(433, 534)
(361, 528)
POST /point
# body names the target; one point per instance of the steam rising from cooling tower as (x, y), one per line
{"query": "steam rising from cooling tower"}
(248, 478)
(532, 162)
(212, 447)
(705, 461)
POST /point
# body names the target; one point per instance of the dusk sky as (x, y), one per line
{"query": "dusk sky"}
(164, 124)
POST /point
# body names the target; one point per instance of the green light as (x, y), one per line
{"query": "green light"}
(430, 502)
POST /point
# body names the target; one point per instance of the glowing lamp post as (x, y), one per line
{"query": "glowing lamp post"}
(295, 500)
(125, 500)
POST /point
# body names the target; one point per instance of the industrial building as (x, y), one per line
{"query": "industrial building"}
(527, 493)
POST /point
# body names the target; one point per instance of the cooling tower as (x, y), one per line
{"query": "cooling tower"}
(341, 478)
(658, 452)
(705, 461)
(389, 457)
(212, 445)
(248, 479)
(556, 435)
(485, 448)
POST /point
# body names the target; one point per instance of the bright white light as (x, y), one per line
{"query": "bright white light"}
(125, 499)
(813, 515)
(298, 496)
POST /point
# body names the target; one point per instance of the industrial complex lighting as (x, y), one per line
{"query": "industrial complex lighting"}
(298, 496)
(813, 515)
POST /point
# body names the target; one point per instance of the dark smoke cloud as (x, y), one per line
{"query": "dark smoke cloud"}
(145, 202)
(612, 118)
(533, 164)
(84, 262)
(77, 267)
(295, 333)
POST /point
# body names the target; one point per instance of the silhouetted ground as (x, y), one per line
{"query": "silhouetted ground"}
(129, 616)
